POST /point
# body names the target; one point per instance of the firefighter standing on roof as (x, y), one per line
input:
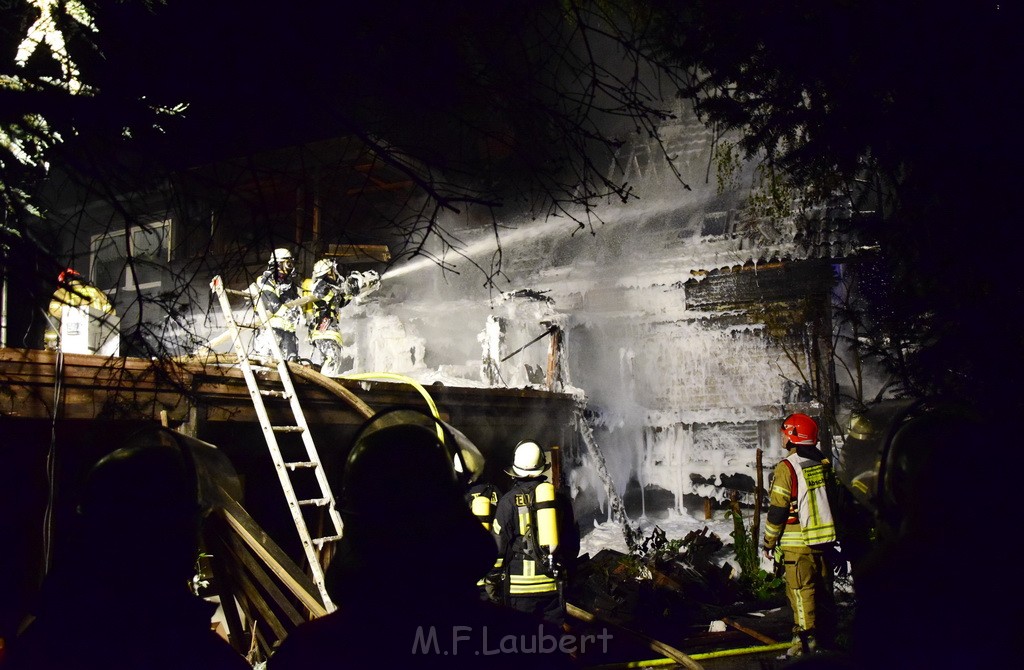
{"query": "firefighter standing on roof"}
(537, 537)
(801, 528)
(276, 287)
(331, 293)
(74, 291)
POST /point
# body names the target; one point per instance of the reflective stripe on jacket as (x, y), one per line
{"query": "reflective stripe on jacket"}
(812, 503)
(326, 318)
(274, 295)
(512, 523)
(799, 485)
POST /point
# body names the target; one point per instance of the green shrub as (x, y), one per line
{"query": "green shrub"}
(755, 581)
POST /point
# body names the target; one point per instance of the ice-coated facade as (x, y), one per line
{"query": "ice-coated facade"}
(664, 335)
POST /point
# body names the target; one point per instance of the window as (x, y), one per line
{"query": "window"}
(150, 245)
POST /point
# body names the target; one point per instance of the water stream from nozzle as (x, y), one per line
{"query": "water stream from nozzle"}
(508, 237)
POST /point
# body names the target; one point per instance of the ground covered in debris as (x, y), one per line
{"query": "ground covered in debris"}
(678, 583)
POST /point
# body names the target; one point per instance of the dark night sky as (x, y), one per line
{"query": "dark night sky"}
(276, 73)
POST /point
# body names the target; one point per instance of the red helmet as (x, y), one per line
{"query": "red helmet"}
(67, 275)
(800, 429)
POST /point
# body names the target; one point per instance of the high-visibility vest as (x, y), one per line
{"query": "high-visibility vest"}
(814, 513)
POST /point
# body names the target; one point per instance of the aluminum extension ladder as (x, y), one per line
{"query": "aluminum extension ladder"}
(325, 499)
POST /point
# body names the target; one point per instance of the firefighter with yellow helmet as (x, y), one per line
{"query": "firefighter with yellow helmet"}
(800, 529)
(537, 537)
(277, 288)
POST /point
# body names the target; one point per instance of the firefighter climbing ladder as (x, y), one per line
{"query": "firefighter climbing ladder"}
(325, 499)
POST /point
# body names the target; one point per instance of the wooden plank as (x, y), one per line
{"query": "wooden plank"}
(255, 569)
(358, 252)
(139, 389)
(749, 631)
(238, 635)
(253, 598)
(654, 645)
(273, 556)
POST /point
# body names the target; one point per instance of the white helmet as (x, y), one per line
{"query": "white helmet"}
(324, 266)
(529, 460)
(280, 255)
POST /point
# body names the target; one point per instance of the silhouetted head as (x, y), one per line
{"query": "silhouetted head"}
(139, 508)
(401, 497)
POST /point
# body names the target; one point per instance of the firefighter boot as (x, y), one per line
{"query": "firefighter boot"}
(795, 649)
(804, 642)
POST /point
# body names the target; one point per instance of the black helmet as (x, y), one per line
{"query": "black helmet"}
(144, 498)
(402, 488)
(414, 448)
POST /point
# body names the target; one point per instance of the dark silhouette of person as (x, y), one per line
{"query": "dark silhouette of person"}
(934, 590)
(120, 599)
(405, 572)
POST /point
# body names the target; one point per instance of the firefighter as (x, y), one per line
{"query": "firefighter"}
(74, 291)
(276, 288)
(800, 529)
(483, 501)
(537, 537)
(135, 538)
(330, 293)
(405, 570)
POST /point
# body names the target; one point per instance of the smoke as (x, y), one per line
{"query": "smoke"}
(649, 368)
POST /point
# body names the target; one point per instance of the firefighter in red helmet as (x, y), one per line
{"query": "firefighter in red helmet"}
(800, 531)
(73, 290)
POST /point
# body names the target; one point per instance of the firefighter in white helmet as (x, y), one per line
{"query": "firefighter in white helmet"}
(538, 539)
(330, 293)
(277, 287)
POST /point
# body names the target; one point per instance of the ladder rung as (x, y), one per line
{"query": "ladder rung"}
(274, 394)
(235, 291)
(319, 502)
(301, 464)
(287, 429)
(321, 541)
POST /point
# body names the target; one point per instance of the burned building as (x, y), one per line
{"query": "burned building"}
(658, 349)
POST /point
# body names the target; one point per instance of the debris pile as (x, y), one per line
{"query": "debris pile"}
(665, 589)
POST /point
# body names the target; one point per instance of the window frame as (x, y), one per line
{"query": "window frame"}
(128, 285)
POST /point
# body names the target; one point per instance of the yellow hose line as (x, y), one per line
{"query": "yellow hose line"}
(745, 650)
(364, 376)
(657, 662)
